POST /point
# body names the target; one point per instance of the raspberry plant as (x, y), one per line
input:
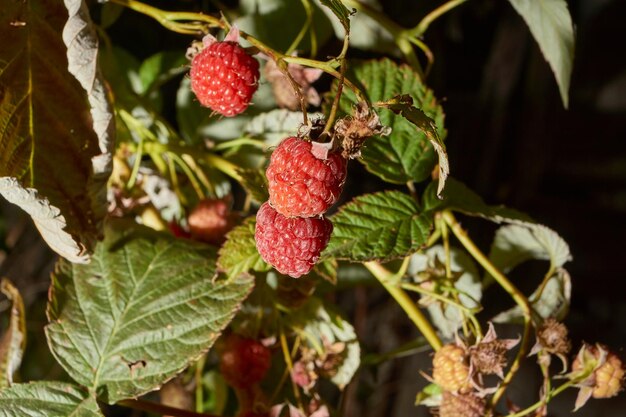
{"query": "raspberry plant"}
(175, 234)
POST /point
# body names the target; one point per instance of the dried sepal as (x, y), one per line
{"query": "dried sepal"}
(552, 339)
(354, 130)
(599, 372)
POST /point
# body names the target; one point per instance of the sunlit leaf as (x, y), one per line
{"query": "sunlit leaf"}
(380, 226)
(47, 399)
(239, 254)
(144, 308)
(56, 157)
(407, 153)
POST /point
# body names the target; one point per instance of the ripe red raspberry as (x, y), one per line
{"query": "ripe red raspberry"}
(302, 184)
(210, 220)
(243, 361)
(291, 245)
(224, 77)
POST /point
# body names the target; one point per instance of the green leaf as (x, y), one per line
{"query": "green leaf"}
(551, 301)
(458, 197)
(254, 182)
(239, 254)
(320, 324)
(430, 396)
(366, 33)
(517, 243)
(13, 341)
(276, 125)
(144, 308)
(55, 161)
(341, 11)
(47, 399)
(379, 226)
(160, 67)
(551, 25)
(446, 317)
(406, 154)
(403, 105)
(278, 23)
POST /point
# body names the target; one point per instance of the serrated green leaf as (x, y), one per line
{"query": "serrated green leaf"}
(341, 11)
(239, 254)
(320, 324)
(458, 197)
(255, 184)
(406, 154)
(517, 243)
(53, 164)
(446, 317)
(379, 226)
(403, 105)
(47, 399)
(551, 25)
(146, 306)
(514, 244)
(13, 341)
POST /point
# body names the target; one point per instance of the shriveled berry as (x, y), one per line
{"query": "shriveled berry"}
(243, 361)
(461, 405)
(451, 369)
(224, 77)
(210, 220)
(292, 245)
(302, 183)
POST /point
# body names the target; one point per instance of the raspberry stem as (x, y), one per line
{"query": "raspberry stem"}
(508, 286)
(389, 281)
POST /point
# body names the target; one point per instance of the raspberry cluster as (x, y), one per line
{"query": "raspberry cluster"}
(304, 180)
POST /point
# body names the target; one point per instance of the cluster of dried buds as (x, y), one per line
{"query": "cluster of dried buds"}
(458, 370)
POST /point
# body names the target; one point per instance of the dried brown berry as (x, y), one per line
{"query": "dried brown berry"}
(552, 337)
(461, 405)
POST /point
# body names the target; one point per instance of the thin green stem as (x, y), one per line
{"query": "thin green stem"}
(309, 18)
(398, 33)
(328, 68)
(240, 142)
(135, 171)
(160, 409)
(188, 172)
(423, 25)
(198, 381)
(508, 286)
(504, 282)
(390, 283)
(549, 396)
